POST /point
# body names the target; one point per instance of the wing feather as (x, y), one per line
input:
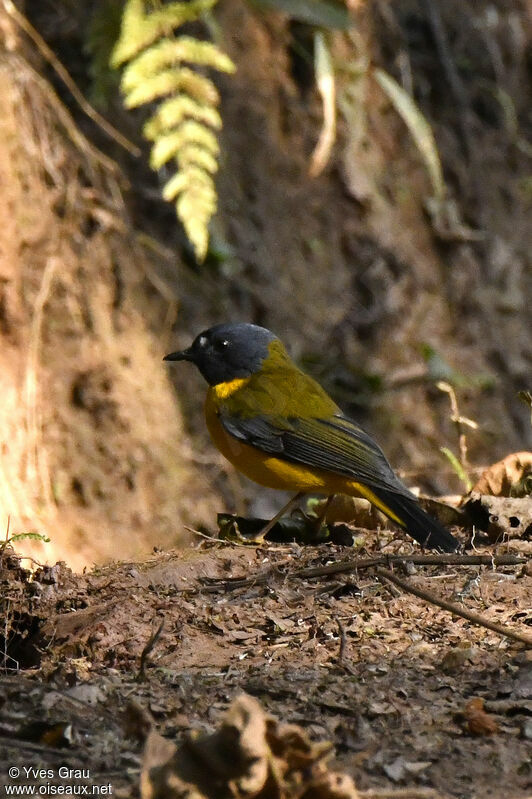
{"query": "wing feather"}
(335, 444)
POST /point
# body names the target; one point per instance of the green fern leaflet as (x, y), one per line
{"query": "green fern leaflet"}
(183, 125)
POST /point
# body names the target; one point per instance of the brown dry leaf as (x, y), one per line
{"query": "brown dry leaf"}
(81, 668)
(157, 752)
(243, 635)
(291, 744)
(282, 623)
(352, 510)
(205, 766)
(458, 656)
(331, 786)
(511, 477)
(251, 755)
(478, 722)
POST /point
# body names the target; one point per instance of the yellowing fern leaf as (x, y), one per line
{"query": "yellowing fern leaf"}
(170, 52)
(139, 30)
(193, 154)
(190, 132)
(181, 128)
(195, 205)
(182, 79)
(173, 111)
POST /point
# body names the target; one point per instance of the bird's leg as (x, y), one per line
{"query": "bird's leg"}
(289, 505)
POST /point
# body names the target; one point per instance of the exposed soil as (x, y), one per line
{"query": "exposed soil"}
(384, 676)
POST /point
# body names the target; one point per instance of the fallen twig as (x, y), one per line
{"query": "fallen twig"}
(450, 69)
(401, 793)
(231, 543)
(343, 641)
(215, 539)
(451, 607)
(212, 585)
(154, 637)
(419, 560)
(342, 662)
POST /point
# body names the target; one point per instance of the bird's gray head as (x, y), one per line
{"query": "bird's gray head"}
(226, 352)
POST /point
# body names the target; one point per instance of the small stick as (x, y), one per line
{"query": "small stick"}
(214, 539)
(419, 560)
(284, 510)
(451, 607)
(453, 76)
(213, 585)
(343, 642)
(154, 637)
(246, 544)
(459, 421)
(342, 662)
(401, 793)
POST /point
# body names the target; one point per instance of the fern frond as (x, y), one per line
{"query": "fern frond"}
(199, 198)
(139, 30)
(175, 186)
(195, 207)
(184, 80)
(169, 53)
(194, 155)
(173, 111)
(191, 177)
(190, 132)
(182, 126)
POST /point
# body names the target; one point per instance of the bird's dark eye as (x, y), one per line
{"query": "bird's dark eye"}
(221, 344)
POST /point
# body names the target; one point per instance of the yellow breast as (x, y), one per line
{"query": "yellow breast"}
(255, 464)
(259, 466)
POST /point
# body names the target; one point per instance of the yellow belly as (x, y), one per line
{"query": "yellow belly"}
(267, 470)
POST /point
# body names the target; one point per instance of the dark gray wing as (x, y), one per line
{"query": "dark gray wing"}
(335, 444)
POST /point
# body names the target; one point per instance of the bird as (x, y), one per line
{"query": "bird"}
(280, 428)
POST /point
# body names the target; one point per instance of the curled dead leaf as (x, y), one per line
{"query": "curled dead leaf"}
(290, 742)
(251, 755)
(351, 510)
(331, 786)
(455, 658)
(477, 721)
(511, 477)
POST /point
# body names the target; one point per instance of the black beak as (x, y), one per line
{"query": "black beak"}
(180, 355)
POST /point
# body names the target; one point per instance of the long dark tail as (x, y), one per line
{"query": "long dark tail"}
(406, 511)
